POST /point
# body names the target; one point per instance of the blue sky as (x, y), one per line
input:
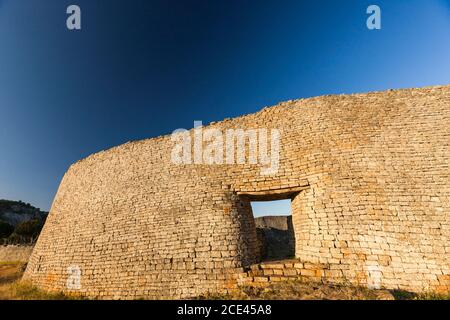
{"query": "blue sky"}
(139, 69)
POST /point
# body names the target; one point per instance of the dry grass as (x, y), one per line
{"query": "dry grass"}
(297, 290)
(12, 289)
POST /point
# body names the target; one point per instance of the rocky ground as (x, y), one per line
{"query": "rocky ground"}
(20, 223)
(297, 290)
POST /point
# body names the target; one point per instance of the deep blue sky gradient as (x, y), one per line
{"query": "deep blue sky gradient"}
(143, 68)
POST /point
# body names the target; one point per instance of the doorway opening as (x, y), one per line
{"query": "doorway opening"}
(275, 222)
(274, 229)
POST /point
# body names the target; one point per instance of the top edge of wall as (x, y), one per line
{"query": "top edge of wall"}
(286, 103)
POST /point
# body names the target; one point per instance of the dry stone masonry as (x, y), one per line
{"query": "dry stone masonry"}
(369, 179)
(15, 253)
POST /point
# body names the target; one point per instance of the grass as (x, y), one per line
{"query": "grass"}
(298, 290)
(11, 288)
(405, 295)
(432, 296)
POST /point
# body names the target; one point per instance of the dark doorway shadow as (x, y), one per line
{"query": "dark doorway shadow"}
(275, 237)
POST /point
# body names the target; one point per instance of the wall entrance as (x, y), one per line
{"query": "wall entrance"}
(274, 229)
(273, 215)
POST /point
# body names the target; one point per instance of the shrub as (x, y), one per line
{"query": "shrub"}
(29, 228)
(26, 231)
(5, 229)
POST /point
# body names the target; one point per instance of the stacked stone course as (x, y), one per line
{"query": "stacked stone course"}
(15, 253)
(368, 175)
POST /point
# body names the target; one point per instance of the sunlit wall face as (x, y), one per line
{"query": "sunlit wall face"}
(143, 68)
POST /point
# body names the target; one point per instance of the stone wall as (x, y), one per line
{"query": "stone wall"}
(13, 253)
(368, 175)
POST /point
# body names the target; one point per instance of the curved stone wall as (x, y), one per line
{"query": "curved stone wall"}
(368, 175)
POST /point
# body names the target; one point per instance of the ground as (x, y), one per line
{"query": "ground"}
(296, 290)
(12, 289)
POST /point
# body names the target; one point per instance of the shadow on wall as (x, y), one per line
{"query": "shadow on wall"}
(276, 238)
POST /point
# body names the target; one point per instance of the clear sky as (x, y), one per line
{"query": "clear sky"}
(141, 68)
(271, 208)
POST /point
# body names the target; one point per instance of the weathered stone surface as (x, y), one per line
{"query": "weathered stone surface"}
(282, 223)
(374, 207)
(275, 237)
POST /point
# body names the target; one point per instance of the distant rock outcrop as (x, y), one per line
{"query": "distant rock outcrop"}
(20, 222)
(15, 212)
